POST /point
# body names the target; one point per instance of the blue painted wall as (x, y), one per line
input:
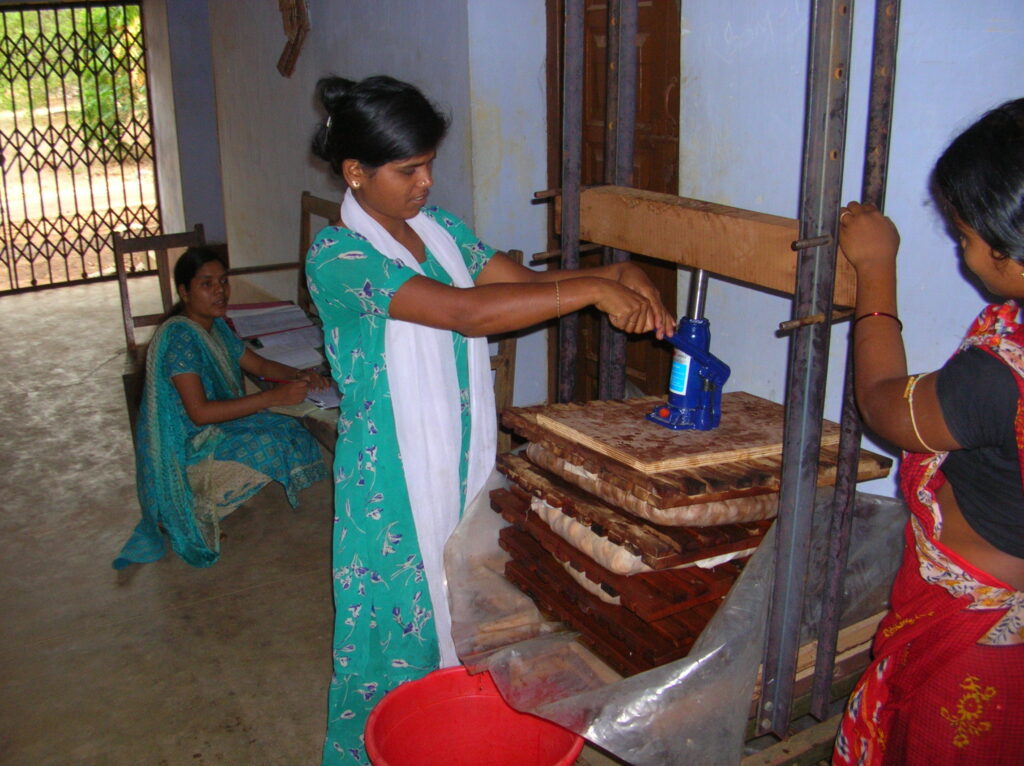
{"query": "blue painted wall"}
(188, 33)
(741, 132)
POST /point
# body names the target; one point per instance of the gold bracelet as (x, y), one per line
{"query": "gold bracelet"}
(908, 394)
(558, 301)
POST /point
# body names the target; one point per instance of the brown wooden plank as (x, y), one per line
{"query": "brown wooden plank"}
(739, 510)
(753, 248)
(650, 596)
(621, 638)
(670, 489)
(617, 654)
(751, 427)
(810, 746)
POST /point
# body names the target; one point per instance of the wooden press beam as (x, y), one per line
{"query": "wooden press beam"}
(754, 248)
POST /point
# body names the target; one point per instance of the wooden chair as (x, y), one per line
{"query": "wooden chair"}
(503, 363)
(158, 248)
(330, 213)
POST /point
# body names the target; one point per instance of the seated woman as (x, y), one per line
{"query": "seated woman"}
(202, 446)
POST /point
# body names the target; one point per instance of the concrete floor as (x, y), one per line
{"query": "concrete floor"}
(163, 664)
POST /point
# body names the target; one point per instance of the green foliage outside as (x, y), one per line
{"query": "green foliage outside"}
(88, 63)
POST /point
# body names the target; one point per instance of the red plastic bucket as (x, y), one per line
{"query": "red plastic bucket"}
(452, 718)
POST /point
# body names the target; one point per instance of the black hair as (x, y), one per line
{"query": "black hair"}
(193, 259)
(375, 121)
(980, 178)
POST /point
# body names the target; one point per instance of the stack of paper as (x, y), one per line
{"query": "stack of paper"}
(296, 348)
(253, 321)
(282, 332)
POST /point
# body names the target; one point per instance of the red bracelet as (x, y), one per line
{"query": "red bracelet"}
(878, 314)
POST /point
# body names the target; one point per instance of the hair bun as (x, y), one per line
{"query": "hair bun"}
(332, 91)
(374, 121)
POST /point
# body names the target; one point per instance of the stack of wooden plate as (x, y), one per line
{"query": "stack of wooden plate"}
(632, 533)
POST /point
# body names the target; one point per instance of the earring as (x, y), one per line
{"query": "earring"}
(355, 185)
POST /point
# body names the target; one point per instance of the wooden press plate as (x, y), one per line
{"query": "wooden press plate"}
(623, 640)
(659, 547)
(650, 595)
(667, 489)
(751, 427)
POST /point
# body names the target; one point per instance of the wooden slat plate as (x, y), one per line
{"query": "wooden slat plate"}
(731, 511)
(650, 595)
(751, 427)
(623, 640)
(668, 489)
(659, 547)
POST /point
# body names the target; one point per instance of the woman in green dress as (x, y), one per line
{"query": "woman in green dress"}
(407, 294)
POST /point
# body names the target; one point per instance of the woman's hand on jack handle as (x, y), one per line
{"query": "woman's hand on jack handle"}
(633, 277)
(627, 309)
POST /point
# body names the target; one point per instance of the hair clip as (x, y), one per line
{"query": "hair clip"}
(327, 124)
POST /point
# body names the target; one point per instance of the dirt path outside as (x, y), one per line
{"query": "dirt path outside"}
(60, 222)
(59, 203)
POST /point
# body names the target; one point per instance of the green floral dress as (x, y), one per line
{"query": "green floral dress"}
(383, 631)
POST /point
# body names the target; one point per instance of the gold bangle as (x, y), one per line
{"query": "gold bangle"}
(558, 301)
(908, 394)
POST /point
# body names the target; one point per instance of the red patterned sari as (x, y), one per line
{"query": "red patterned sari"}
(946, 685)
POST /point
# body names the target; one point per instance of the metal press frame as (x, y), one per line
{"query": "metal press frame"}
(820, 189)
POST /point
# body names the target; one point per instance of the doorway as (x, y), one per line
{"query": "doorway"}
(76, 139)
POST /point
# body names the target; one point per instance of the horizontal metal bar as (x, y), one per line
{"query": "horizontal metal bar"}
(837, 316)
(550, 255)
(807, 244)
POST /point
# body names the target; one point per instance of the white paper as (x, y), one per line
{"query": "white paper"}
(299, 357)
(311, 336)
(327, 397)
(274, 320)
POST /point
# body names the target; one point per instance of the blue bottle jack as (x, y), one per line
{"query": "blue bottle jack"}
(695, 384)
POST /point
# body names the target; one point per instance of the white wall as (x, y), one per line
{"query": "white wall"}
(266, 120)
(509, 132)
(456, 51)
(741, 132)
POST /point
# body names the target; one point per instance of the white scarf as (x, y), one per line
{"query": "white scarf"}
(425, 401)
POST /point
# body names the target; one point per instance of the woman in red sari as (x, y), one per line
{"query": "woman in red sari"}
(946, 685)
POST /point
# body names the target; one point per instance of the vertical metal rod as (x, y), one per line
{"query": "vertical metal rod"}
(572, 151)
(821, 185)
(619, 149)
(876, 161)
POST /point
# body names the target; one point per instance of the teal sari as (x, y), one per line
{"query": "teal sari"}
(189, 477)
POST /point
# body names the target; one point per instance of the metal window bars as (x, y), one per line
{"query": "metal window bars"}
(76, 140)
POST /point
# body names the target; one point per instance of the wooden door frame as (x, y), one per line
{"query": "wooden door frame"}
(553, 30)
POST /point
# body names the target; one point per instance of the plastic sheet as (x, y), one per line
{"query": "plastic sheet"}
(694, 710)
